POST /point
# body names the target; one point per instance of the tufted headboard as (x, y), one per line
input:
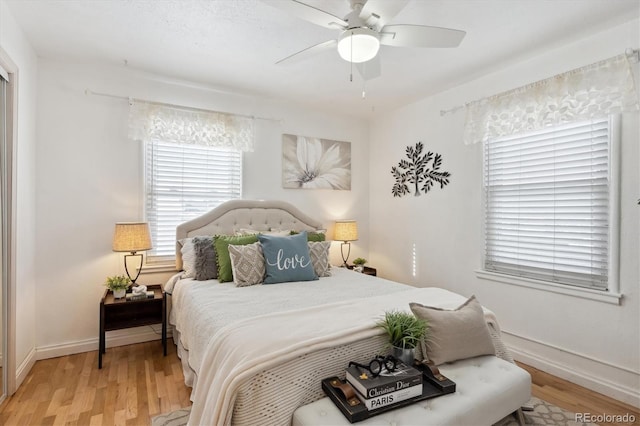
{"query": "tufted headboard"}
(227, 218)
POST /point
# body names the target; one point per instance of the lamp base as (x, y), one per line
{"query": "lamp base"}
(344, 259)
(133, 254)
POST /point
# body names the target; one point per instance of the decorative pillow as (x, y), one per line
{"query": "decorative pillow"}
(315, 236)
(205, 261)
(247, 264)
(319, 252)
(457, 334)
(188, 257)
(221, 244)
(287, 258)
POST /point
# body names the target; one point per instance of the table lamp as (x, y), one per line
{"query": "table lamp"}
(132, 237)
(346, 231)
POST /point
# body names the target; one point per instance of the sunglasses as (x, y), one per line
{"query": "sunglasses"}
(377, 365)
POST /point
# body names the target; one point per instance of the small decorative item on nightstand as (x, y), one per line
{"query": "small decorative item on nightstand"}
(118, 284)
(359, 264)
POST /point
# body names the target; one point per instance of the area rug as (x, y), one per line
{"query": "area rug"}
(543, 414)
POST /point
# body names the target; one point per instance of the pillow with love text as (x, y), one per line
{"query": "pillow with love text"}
(287, 258)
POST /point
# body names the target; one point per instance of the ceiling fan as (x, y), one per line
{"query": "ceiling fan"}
(364, 29)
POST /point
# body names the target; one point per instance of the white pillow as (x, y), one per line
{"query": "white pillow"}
(188, 258)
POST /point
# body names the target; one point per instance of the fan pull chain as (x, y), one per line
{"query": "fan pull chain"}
(351, 62)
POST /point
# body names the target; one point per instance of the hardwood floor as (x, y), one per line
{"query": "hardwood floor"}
(578, 399)
(137, 383)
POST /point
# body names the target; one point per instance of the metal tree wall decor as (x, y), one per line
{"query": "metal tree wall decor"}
(416, 172)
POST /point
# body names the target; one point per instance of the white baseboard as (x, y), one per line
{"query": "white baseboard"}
(25, 366)
(615, 381)
(114, 338)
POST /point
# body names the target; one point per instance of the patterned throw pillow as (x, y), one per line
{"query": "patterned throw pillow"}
(287, 258)
(319, 252)
(247, 264)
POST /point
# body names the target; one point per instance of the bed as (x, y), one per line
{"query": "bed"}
(254, 354)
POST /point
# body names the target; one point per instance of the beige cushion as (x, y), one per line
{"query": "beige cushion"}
(319, 252)
(455, 334)
(247, 264)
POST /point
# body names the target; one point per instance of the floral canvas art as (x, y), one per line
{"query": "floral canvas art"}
(314, 163)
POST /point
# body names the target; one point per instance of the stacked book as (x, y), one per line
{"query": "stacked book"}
(140, 296)
(389, 388)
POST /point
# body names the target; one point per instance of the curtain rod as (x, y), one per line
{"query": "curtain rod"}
(633, 55)
(130, 100)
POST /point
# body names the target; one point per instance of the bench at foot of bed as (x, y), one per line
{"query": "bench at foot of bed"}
(487, 389)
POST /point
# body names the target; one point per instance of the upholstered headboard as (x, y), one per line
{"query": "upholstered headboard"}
(227, 218)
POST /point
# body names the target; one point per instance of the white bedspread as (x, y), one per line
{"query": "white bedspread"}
(201, 308)
(240, 350)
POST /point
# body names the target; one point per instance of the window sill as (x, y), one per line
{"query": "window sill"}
(156, 268)
(585, 293)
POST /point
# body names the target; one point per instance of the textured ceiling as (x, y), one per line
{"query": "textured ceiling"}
(234, 44)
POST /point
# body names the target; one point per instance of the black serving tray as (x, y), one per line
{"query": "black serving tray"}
(432, 386)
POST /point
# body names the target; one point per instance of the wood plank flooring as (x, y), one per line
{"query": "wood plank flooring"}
(137, 383)
(577, 399)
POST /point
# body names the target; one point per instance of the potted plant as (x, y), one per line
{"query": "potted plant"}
(404, 331)
(118, 284)
(359, 264)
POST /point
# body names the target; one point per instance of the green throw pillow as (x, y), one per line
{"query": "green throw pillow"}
(221, 243)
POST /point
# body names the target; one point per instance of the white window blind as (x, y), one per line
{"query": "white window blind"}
(183, 182)
(547, 198)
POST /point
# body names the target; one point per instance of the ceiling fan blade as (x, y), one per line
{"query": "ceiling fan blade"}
(310, 51)
(420, 36)
(309, 13)
(378, 13)
(370, 69)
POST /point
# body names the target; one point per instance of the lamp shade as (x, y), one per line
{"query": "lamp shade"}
(132, 237)
(358, 45)
(346, 230)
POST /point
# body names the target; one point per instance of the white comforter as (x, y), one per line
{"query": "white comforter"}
(202, 308)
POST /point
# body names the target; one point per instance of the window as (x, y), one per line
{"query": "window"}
(182, 182)
(550, 204)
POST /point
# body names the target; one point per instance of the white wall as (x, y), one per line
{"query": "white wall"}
(591, 343)
(89, 177)
(14, 43)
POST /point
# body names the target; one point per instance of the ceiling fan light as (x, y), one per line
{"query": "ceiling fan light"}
(365, 44)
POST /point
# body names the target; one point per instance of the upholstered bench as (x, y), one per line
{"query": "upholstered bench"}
(487, 389)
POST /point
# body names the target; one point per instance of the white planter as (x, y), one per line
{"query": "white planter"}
(119, 294)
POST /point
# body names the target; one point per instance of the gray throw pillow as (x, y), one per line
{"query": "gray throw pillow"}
(205, 259)
(458, 334)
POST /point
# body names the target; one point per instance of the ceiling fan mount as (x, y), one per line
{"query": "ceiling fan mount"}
(364, 29)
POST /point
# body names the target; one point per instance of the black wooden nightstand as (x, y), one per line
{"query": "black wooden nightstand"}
(367, 270)
(116, 314)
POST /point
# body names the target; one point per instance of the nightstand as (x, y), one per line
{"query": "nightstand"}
(116, 314)
(367, 270)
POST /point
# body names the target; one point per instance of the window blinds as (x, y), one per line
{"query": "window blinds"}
(183, 182)
(547, 204)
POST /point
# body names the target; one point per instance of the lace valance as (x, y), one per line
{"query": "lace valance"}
(174, 124)
(593, 91)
